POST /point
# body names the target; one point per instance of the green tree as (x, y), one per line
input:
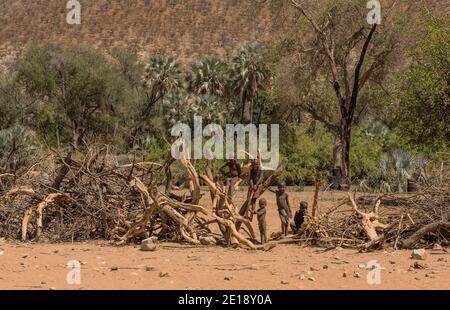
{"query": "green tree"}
(248, 76)
(162, 76)
(77, 85)
(207, 76)
(329, 72)
(423, 93)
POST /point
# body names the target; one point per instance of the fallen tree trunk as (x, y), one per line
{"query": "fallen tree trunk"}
(430, 228)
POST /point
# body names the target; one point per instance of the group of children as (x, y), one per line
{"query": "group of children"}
(284, 211)
(233, 172)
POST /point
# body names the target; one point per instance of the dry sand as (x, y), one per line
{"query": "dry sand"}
(175, 266)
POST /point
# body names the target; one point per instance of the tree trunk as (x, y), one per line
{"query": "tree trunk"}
(341, 159)
(337, 162)
(346, 141)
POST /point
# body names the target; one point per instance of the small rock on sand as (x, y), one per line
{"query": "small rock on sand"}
(284, 282)
(207, 240)
(312, 279)
(419, 254)
(418, 265)
(148, 245)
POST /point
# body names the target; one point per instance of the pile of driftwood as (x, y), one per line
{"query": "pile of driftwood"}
(393, 220)
(88, 195)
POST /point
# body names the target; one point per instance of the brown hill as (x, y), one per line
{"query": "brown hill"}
(185, 28)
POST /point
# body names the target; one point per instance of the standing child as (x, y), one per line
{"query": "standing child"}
(262, 211)
(284, 208)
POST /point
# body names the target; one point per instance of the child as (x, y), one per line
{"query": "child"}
(299, 217)
(284, 208)
(262, 220)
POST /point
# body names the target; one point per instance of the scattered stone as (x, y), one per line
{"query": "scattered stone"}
(325, 267)
(302, 277)
(284, 282)
(114, 268)
(207, 240)
(312, 279)
(228, 278)
(357, 274)
(344, 274)
(163, 274)
(418, 265)
(314, 269)
(362, 266)
(43, 282)
(2, 252)
(417, 278)
(441, 259)
(154, 239)
(25, 256)
(148, 245)
(150, 268)
(419, 254)
(52, 288)
(392, 262)
(339, 248)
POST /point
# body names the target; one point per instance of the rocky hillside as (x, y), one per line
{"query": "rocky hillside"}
(186, 28)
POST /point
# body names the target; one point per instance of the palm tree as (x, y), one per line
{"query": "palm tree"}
(249, 74)
(398, 167)
(177, 108)
(162, 75)
(207, 76)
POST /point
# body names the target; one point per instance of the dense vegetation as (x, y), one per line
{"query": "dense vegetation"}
(378, 132)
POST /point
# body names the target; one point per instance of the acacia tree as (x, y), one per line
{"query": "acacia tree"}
(335, 60)
(78, 86)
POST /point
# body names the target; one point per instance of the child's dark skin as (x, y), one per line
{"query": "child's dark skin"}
(284, 208)
(261, 212)
(299, 217)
